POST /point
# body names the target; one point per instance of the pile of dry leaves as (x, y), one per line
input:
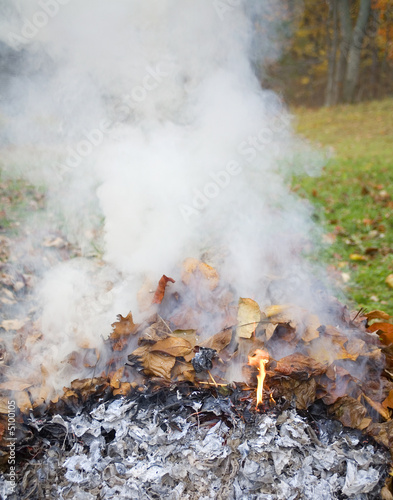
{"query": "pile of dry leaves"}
(346, 363)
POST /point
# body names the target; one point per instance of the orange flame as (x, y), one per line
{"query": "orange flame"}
(259, 359)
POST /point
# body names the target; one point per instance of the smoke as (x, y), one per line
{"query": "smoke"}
(148, 128)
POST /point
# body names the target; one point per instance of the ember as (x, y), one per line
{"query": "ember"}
(259, 359)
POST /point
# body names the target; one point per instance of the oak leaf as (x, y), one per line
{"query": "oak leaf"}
(123, 327)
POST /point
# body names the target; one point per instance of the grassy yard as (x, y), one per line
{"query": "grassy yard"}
(354, 195)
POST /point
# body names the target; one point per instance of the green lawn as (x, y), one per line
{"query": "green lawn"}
(354, 195)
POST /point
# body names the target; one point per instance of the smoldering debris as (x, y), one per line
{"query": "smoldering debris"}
(196, 444)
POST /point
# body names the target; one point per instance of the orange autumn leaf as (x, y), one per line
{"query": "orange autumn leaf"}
(123, 326)
(386, 331)
(194, 268)
(160, 292)
(114, 379)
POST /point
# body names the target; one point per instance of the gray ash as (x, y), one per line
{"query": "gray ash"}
(189, 443)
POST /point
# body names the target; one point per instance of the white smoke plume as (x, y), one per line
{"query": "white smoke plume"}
(145, 120)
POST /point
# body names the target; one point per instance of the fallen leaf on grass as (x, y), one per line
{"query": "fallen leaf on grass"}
(377, 315)
(358, 257)
(389, 280)
(248, 317)
(160, 292)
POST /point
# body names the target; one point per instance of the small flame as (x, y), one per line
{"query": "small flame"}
(259, 359)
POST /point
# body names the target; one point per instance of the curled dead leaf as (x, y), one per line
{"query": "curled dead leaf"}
(160, 292)
(376, 314)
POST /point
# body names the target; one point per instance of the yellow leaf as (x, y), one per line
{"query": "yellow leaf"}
(357, 257)
(248, 316)
(389, 280)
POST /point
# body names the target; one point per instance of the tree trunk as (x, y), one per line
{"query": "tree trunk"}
(329, 98)
(346, 35)
(359, 32)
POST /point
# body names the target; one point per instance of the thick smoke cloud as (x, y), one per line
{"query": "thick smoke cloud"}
(146, 124)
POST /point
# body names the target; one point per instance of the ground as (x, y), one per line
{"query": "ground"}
(354, 195)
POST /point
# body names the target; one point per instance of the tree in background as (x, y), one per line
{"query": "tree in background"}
(340, 51)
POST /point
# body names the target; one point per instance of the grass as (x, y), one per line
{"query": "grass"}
(354, 195)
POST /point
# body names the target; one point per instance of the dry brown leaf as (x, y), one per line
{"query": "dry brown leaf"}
(160, 292)
(153, 363)
(123, 390)
(356, 347)
(333, 335)
(15, 385)
(305, 393)
(350, 412)
(123, 327)
(173, 346)
(311, 332)
(189, 335)
(145, 296)
(23, 402)
(276, 309)
(183, 372)
(270, 330)
(389, 280)
(156, 331)
(377, 407)
(299, 367)
(218, 341)
(195, 269)
(384, 330)
(115, 378)
(4, 408)
(13, 324)
(388, 402)
(377, 315)
(248, 317)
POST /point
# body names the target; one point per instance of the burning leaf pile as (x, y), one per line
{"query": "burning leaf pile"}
(196, 335)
